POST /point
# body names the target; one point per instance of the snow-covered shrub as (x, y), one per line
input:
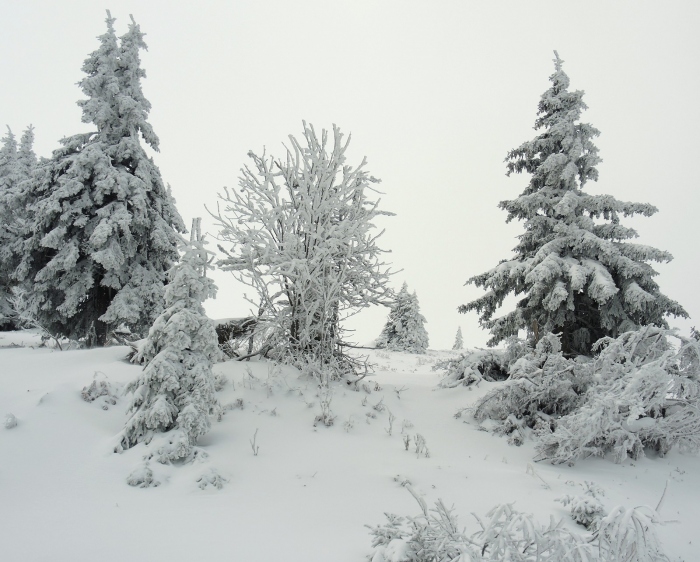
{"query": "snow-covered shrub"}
(471, 368)
(98, 389)
(10, 421)
(647, 395)
(142, 477)
(585, 509)
(405, 328)
(220, 382)
(543, 386)
(629, 535)
(639, 392)
(211, 478)
(505, 534)
(20, 315)
(430, 536)
(175, 392)
(481, 364)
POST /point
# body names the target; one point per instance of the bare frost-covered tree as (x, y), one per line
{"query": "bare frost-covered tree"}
(299, 231)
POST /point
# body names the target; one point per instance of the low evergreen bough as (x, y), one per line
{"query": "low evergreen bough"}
(647, 396)
(542, 386)
(641, 392)
(481, 364)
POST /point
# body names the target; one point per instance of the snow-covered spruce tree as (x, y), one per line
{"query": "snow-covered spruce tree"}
(573, 266)
(175, 391)
(102, 229)
(405, 328)
(459, 340)
(17, 164)
(8, 168)
(300, 233)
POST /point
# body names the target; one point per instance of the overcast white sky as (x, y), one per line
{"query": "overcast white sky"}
(434, 93)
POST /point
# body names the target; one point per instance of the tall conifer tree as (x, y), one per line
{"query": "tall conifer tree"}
(103, 228)
(17, 166)
(405, 328)
(573, 266)
(8, 180)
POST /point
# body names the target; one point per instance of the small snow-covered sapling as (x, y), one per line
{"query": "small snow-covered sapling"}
(211, 478)
(142, 477)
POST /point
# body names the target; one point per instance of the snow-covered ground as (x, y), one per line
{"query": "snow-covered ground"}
(307, 493)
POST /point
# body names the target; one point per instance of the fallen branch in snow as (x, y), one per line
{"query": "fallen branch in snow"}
(262, 351)
(531, 470)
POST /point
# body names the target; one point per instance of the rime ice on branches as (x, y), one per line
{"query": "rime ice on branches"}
(299, 231)
(574, 269)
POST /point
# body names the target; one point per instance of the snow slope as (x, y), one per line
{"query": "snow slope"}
(308, 492)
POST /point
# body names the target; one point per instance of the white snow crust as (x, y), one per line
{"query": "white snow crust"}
(306, 494)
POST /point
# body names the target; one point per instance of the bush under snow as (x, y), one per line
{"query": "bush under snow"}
(641, 391)
(646, 396)
(506, 534)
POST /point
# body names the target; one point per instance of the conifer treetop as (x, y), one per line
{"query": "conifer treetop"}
(459, 340)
